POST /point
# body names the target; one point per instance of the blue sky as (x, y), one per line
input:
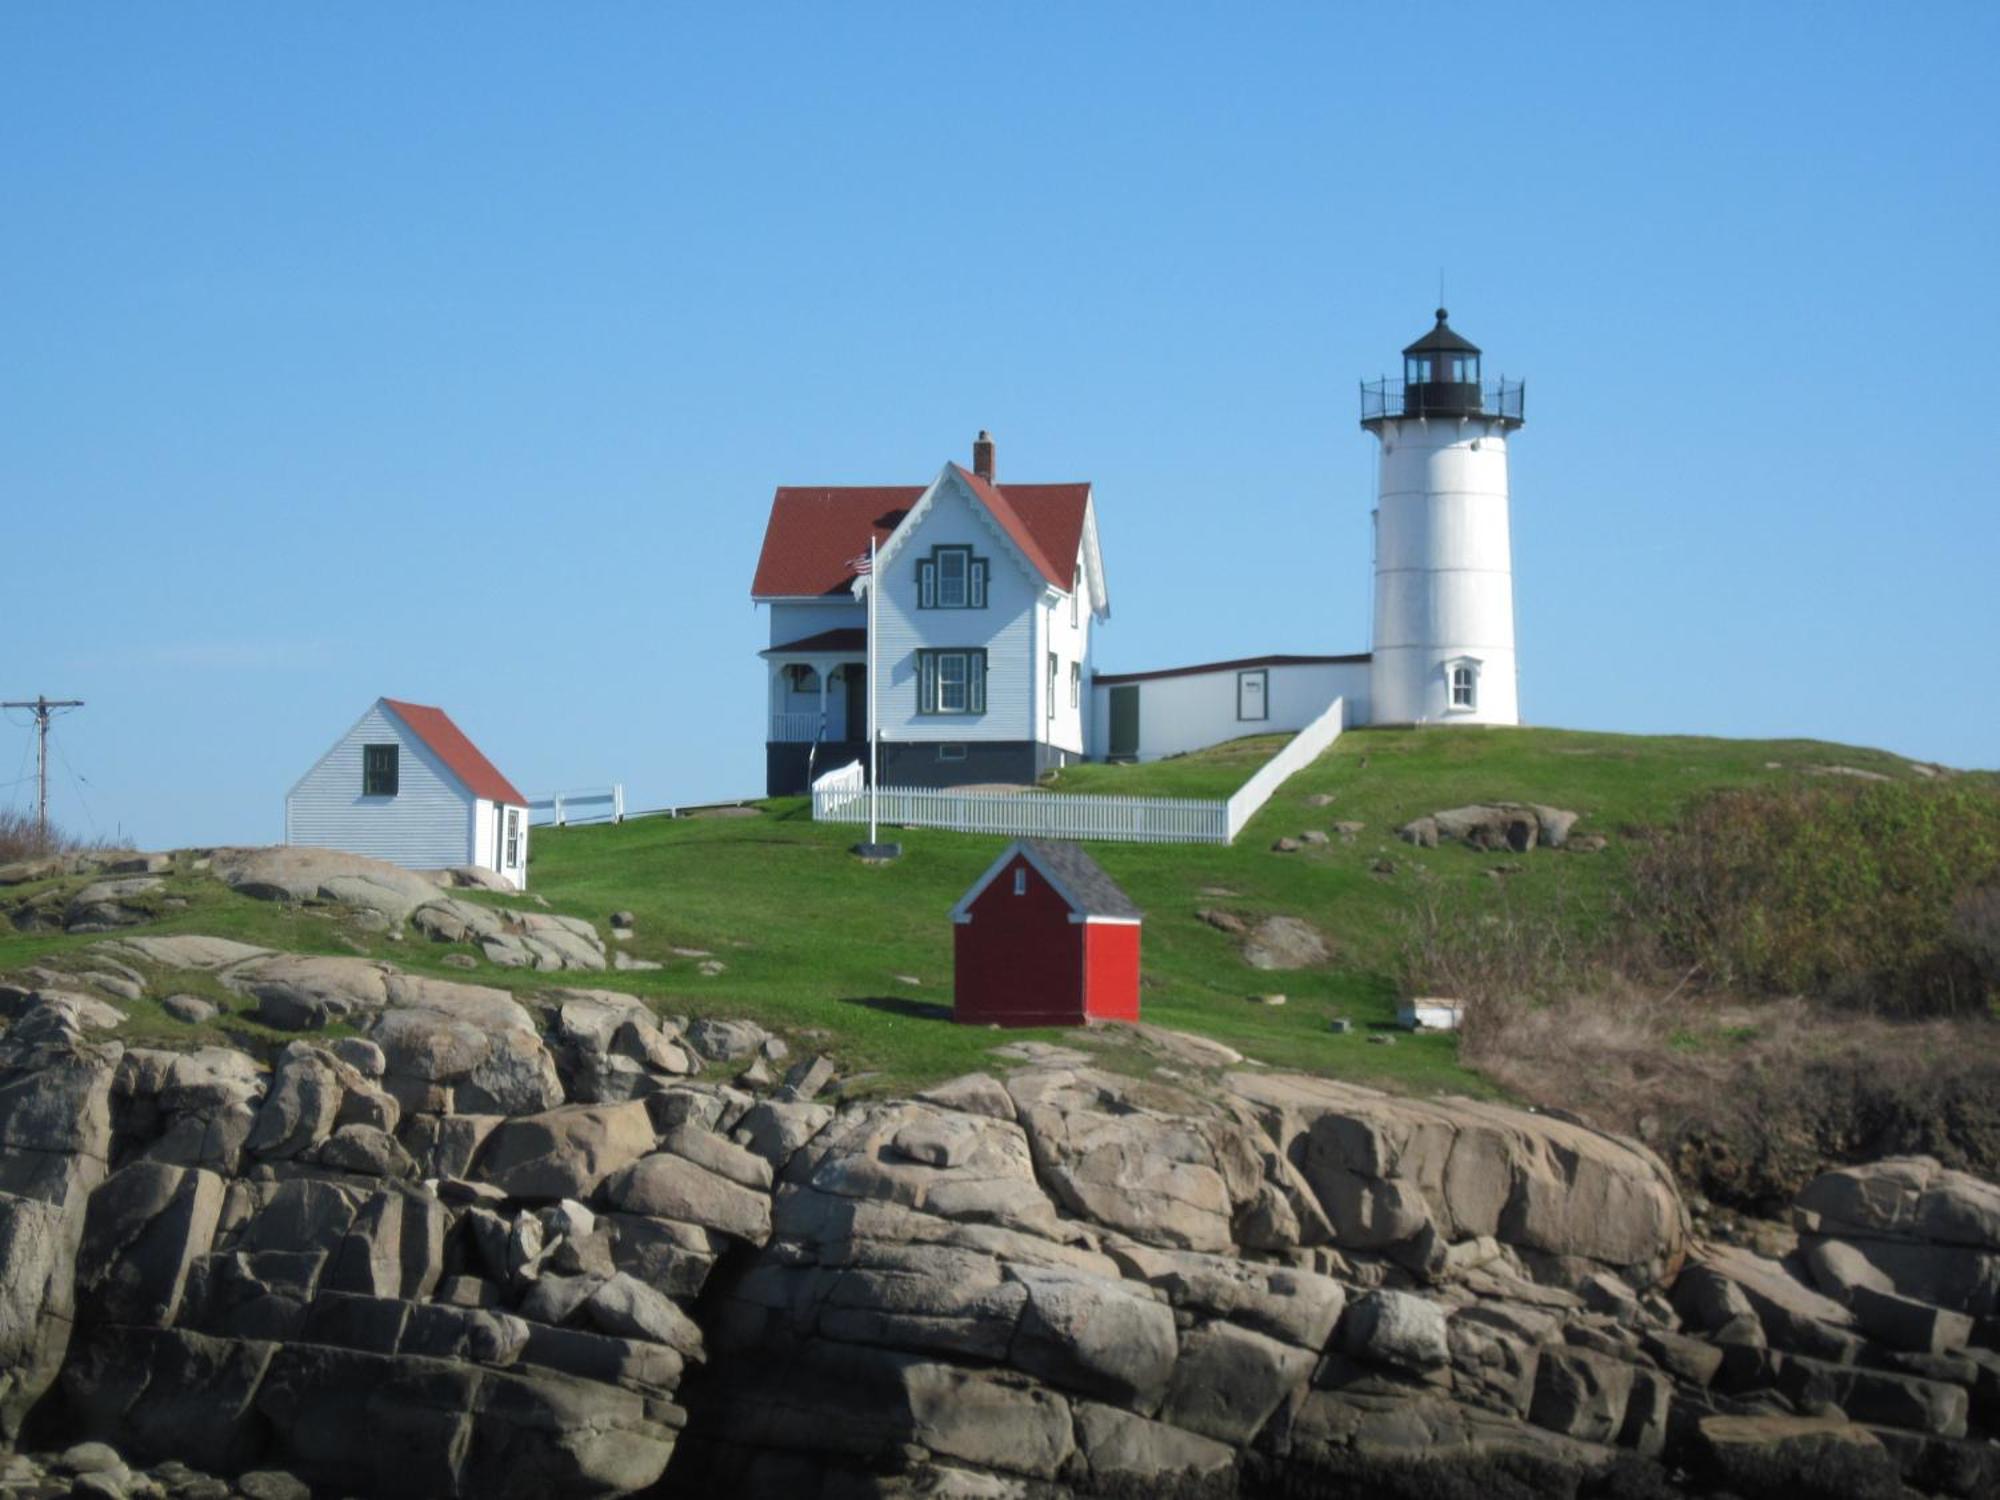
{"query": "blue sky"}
(452, 352)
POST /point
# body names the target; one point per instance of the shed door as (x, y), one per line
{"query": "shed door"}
(1125, 723)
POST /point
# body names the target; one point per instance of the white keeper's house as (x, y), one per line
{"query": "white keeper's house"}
(989, 594)
(405, 785)
(988, 598)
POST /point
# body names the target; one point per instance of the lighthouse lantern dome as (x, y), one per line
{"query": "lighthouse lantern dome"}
(1441, 373)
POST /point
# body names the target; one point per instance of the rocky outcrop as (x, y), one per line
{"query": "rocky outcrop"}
(1510, 827)
(510, 1245)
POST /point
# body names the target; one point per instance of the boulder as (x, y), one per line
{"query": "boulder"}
(1133, 1450)
(1280, 942)
(726, 1041)
(181, 950)
(106, 905)
(300, 875)
(1398, 1329)
(1095, 1336)
(299, 1111)
(565, 1152)
(300, 992)
(474, 1039)
(1581, 1395)
(671, 1187)
(55, 1141)
(1229, 1381)
(1411, 1175)
(1140, 1158)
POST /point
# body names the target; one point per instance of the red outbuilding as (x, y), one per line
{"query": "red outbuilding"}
(1045, 938)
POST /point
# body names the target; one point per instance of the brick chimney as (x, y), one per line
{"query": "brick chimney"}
(982, 456)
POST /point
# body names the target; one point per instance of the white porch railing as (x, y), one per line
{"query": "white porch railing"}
(841, 796)
(561, 808)
(1300, 751)
(799, 728)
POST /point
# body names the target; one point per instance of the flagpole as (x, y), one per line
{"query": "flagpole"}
(873, 581)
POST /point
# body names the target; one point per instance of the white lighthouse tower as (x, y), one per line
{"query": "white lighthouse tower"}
(1444, 573)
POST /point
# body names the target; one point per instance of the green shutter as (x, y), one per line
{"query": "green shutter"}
(976, 686)
(927, 693)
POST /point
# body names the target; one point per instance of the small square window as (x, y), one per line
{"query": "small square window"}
(378, 770)
(951, 752)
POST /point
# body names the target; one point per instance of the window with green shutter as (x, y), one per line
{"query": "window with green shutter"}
(951, 578)
(951, 682)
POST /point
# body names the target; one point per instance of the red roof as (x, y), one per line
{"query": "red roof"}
(448, 743)
(815, 533)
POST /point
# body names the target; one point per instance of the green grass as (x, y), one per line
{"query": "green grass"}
(822, 946)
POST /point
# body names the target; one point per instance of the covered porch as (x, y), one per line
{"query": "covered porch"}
(818, 689)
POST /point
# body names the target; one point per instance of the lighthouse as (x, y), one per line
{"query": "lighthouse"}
(1444, 574)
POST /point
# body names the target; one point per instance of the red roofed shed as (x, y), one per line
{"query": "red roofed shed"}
(1045, 938)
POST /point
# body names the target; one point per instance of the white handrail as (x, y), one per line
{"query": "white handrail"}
(1304, 748)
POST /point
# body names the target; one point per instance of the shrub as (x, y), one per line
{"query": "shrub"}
(1846, 893)
(21, 837)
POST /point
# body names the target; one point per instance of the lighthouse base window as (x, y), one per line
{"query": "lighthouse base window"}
(951, 682)
(1464, 688)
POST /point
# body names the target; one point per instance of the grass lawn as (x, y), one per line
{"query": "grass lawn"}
(857, 959)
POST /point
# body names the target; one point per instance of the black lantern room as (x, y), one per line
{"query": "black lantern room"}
(1441, 378)
(1441, 374)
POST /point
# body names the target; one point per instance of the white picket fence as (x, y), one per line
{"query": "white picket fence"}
(1300, 751)
(841, 796)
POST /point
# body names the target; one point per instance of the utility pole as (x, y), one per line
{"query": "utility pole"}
(43, 708)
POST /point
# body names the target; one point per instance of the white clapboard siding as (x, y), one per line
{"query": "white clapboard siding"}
(1005, 628)
(427, 825)
(795, 621)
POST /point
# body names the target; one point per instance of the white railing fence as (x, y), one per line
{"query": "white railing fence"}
(559, 809)
(841, 796)
(1302, 750)
(799, 727)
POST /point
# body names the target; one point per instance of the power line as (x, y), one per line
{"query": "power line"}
(44, 708)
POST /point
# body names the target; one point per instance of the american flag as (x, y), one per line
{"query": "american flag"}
(862, 565)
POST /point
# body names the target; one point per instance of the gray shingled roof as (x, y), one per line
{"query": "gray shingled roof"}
(1082, 879)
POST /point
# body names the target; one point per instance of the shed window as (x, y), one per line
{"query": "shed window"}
(951, 578)
(378, 770)
(513, 837)
(951, 682)
(1464, 687)
(1020, 880)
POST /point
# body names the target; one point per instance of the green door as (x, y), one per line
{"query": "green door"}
(1124, 723)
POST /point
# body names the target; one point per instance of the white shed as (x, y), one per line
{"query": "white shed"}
(405, 785)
